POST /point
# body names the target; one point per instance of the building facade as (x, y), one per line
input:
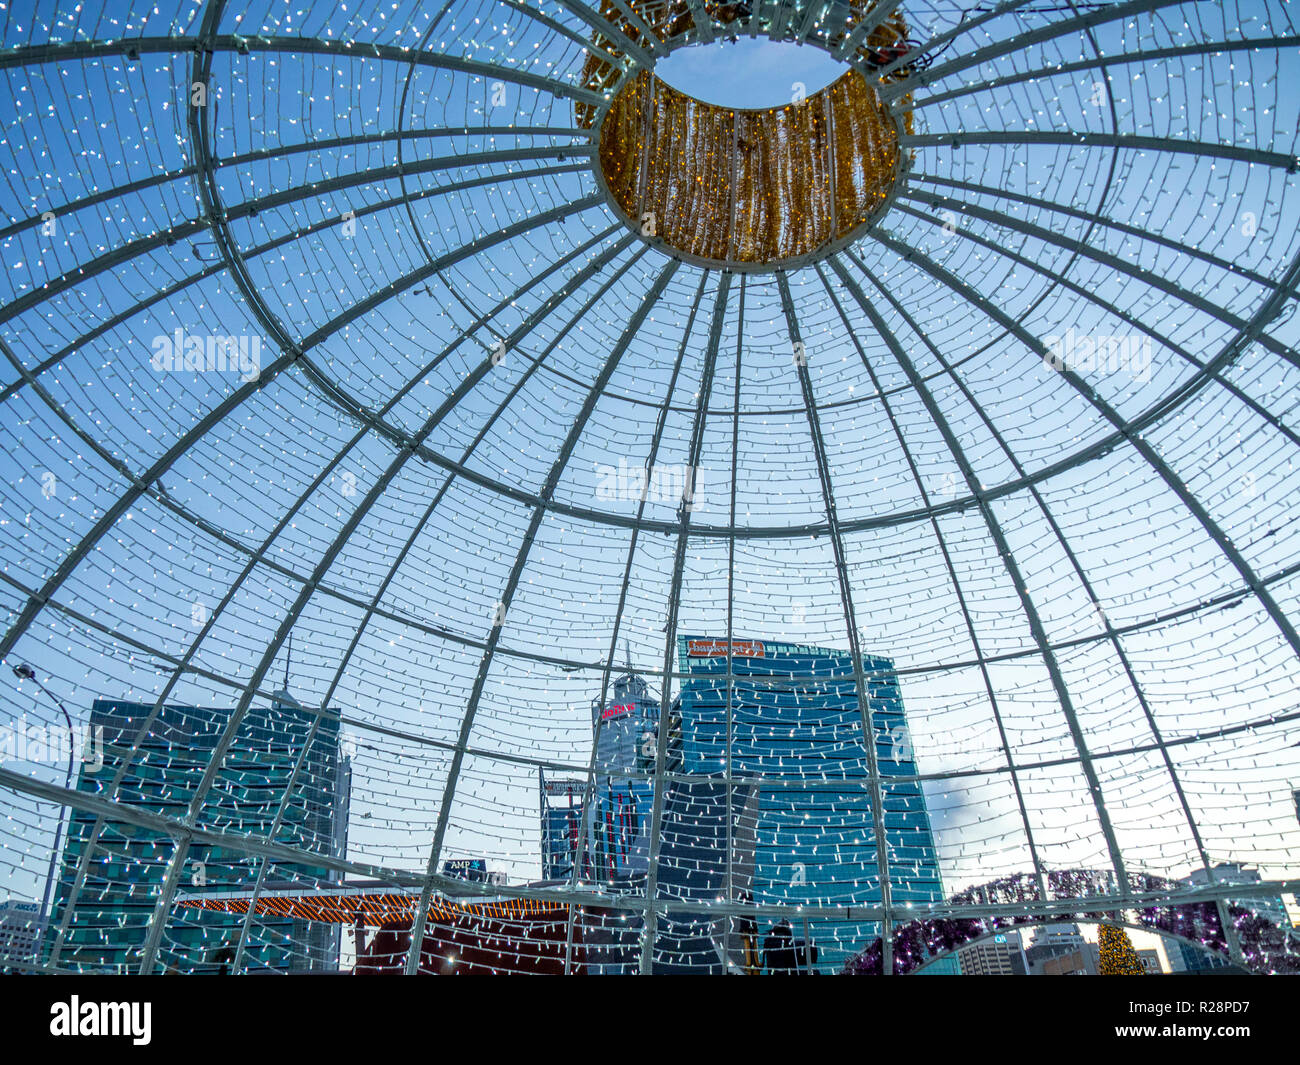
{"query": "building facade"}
(104, 926)
(20, 932)
(1271, 909)
(793, 826)
(789, 728)
(561, 808)
(991, 958)
(625, 731)
(626, 734)
(947, 965)
(1185, 958)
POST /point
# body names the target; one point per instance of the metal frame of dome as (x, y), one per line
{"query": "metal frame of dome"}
(604, 262)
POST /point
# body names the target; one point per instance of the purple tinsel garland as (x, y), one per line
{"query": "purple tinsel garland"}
(1266, 947)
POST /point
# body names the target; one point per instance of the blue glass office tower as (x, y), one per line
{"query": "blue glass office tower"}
(626, 730)
(561, 807)
(796, 733)
(109, 917)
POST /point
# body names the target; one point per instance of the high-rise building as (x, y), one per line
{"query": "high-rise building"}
(1270, 908)
(947, 965)
(471, 870)
(790, 723)
(1061, 938)
(561, 804)
(792, 716)
(616, 852)
(1001, 955)
(1080, 962)
(626, 730)
(106, 922)
(1189, 959)
(20, 932)
(1052, 942)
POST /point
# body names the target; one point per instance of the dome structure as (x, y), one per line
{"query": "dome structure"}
(461, 486)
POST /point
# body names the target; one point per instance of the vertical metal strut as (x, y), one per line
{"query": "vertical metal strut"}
(649, 928)
(851, 622)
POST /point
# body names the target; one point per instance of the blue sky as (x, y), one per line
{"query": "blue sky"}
(153, 567)
(749, 72)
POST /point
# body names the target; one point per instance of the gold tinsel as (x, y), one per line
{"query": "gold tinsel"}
(739, 186)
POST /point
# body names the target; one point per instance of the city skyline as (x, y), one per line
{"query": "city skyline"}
(493, 395)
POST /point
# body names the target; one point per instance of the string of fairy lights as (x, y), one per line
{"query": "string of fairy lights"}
(340, 592)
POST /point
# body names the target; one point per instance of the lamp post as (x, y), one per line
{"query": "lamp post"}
(25, 672)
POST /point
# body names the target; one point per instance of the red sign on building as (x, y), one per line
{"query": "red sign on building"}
(621, 710)
(718, 649)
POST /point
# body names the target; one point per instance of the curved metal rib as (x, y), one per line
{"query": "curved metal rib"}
(512, 583)
(869, 734)
(1008, 560)
(599, 263)
(1249, 333)
(649, 928)
(589, 790)
(967, 620)
(80, 50)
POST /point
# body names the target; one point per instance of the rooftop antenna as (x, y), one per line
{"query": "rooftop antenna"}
(282, 697)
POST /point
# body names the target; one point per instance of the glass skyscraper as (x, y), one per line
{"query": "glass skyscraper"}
(795, 826)
(796, 729)
(626, 731)
(107, 920)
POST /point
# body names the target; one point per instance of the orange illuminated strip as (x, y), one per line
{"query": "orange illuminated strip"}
(378, 909)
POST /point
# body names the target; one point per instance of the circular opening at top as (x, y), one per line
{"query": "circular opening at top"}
(749, 72)
(748, 188)
(743, 153)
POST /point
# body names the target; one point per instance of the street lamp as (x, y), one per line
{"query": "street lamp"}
(25, 672)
